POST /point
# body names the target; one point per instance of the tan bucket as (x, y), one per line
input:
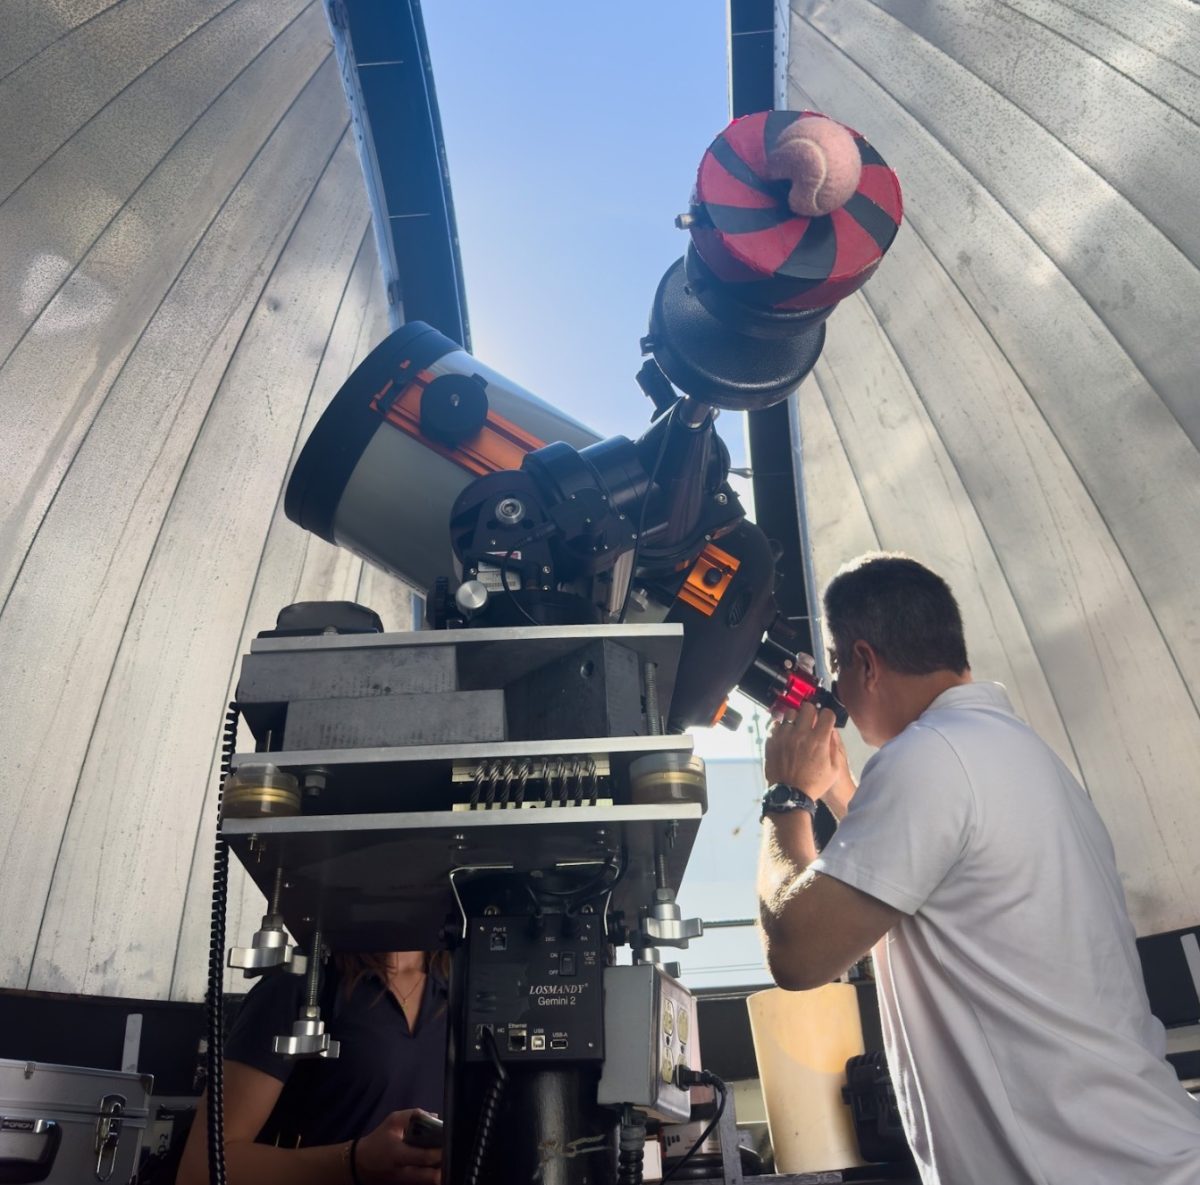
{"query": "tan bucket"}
(802, 1041)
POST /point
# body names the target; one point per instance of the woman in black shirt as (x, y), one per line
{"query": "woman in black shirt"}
(334, 1121)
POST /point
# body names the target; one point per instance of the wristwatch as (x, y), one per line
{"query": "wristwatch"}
(779, 799)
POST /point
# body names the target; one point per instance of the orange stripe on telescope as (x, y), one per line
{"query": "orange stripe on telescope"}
(497, 446)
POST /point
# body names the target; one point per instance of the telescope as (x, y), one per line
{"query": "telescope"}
(516, 782)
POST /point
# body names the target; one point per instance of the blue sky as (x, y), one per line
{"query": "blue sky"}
(573, 133)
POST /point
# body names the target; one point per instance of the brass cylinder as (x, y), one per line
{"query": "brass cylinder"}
(258, 791)
(668, 777)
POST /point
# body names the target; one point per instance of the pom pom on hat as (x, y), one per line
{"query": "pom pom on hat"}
(821, 160)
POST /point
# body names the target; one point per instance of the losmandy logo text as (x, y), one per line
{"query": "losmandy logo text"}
(564, 994)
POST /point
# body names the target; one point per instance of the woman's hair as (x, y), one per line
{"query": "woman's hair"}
(905, 612)
(356, 966)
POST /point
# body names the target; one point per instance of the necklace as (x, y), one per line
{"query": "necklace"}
(405, 996)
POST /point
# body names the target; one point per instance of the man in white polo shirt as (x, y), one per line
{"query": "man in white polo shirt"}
(1018, 1032)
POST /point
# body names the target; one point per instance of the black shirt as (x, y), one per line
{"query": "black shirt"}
(382, 1067)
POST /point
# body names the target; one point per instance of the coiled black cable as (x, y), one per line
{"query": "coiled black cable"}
(489, 1113)
(632, 1148)
(215, 1011)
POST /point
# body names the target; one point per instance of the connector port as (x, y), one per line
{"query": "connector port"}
(498, 940)
(537, 1042)
(516, 1038)
(558, 1042)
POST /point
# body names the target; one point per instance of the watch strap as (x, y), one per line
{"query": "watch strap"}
(780, 799)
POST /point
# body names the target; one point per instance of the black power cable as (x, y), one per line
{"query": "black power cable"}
(685, 1078)
(637, 539)
(632, 1142)
(489, 1113)
(215, 1013)
(504, 581)
(535, 536)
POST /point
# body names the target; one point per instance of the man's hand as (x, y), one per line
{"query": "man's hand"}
(383, 1158)
(804, 750)
(837, 797)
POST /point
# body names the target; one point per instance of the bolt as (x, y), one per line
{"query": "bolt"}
(545, 569)
(455, 399)
(685, 221)
(510, 511)
(722, 499)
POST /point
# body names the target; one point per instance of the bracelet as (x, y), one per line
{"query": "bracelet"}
(351, 1160)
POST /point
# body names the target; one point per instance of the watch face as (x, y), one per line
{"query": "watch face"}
(778, 795)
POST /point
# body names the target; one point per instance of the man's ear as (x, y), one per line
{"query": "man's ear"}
(869, 661)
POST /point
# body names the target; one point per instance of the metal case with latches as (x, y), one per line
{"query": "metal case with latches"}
(68, 1125)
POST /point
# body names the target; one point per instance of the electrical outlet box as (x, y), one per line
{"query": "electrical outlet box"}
(649, 1029)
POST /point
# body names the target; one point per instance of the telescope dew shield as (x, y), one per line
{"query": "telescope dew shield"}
(415, 423)
(767, 257)
(739, 322)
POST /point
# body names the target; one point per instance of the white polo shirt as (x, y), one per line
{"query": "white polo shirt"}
(1020, 1040)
